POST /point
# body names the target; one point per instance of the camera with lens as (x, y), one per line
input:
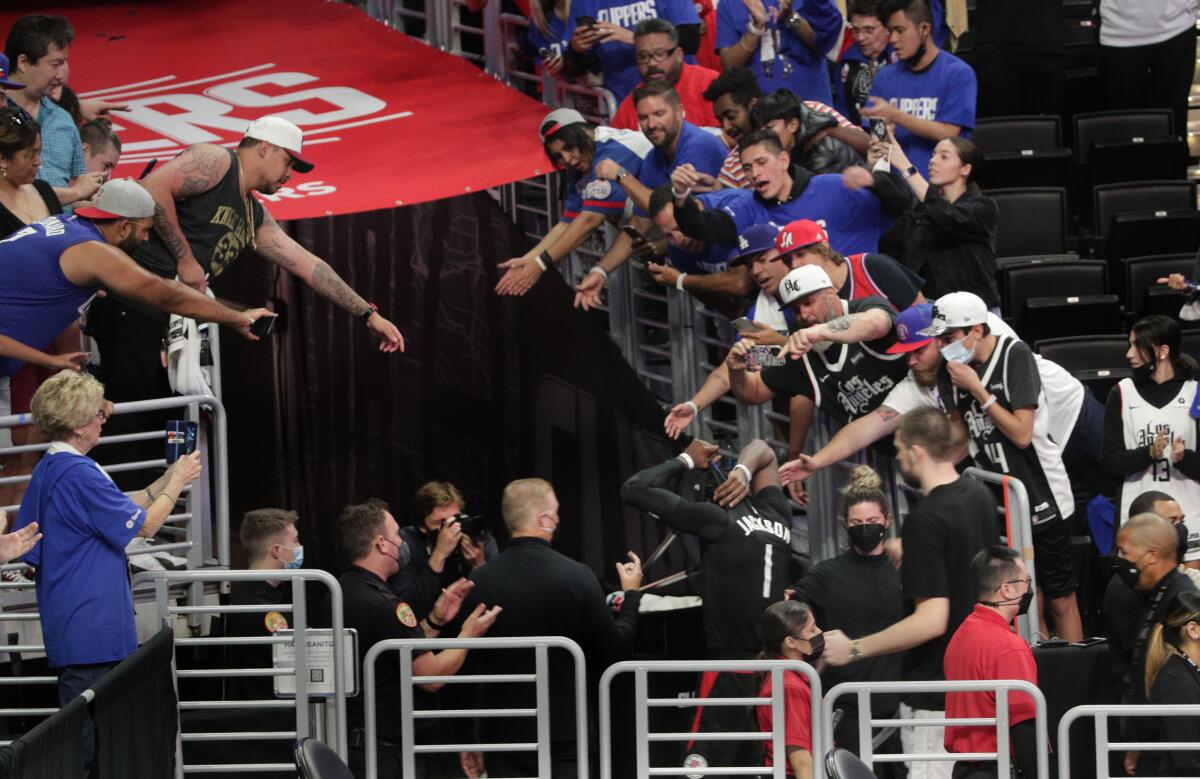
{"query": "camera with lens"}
(473, 526)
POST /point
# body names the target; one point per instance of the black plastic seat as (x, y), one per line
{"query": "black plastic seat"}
(1163, 158)
(1050, 317)
(842, 764)
(1156, 198)
(1018, 282)
(1026, 168)
(1031, 221)
(1125, 125)
(1096, 360)
(1017, 133)
(317, 761)
(1157, 233)
(1140, 280)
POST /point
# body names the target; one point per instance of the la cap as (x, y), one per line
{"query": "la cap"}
(282, 133)
(119, 199)
(558, 119)
(909, 325)
(4, 71)
(798, 234)
(954, 310)
(803, 281)
(755, 239)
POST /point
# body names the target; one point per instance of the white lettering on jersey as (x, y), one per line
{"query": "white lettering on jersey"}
(920, 107)
(757, 523)
(855, 393)
(628, 15)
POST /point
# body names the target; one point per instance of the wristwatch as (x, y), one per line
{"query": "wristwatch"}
(855, 651)
(621, 173)
(366, 315)
(911, 170)
(792, 19)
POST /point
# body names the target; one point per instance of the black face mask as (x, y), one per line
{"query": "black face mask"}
(817, 643)
(1126, 571)
(1182, 542)
(1023, 602)
(1142, 373)
(915, 59)
(865, 537)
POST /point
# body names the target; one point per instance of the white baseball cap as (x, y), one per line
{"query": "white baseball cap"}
(282, 133)
(803, 281)
(119, 199)
(954, 310)
(558, 119)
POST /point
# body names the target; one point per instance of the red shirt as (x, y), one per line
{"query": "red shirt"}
(985, 647)
(797, 711)
(691, 85)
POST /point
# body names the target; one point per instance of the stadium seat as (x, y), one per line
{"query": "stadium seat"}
(1031, 221)
(1004, 262)
(1025, 168)
(1017, 133)
(1039, 277)
(317, 761)
(1111, 162)
(1066, 315)
(1164, 301)
(1134, 235)
(1126, 125)
(1096, 360)
(1140, 279)
(1109, 200)
(842, 764)
(1190, 343)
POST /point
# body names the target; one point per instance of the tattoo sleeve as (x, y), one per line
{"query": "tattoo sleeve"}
(326, 281)
(841, 324)
(202, 172)
(169, 234)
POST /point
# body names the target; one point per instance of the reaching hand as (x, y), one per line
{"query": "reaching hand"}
(614, 33)
(630, 573)
(799, 469)
(879, 108)
(758, 13)
(684, 178)
(253, 315)
(736, 359)
(390, 339)
(856, 177)
(472, 764)
(706, 183)
(837, 647)
(763, 335)
(678, 419)
(13, 545)
(734, 490)
(96, 107)
(800, 343)
(797, 492)
(663, 274)
(71, 361)
(1176, 450)
(587, 291)
(1176, 281)
(520, 273)
(480, 621)
(183, 472)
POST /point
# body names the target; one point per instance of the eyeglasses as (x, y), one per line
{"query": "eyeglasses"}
(1028, 582)
(659, 55)
(102, 415)
(869, 29)
(19, 116)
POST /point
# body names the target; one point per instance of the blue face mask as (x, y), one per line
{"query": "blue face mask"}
(958, 352)
(297, 559)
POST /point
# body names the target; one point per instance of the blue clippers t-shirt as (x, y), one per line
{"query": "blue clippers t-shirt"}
(37, 302)
(791, 64)
(589, 193)
(617, 62)
(82, 578)
(853, 218)
(557, 41)
(700, 148)
(943, 92)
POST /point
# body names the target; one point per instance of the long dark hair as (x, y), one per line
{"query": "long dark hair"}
(968, 154)
(779, 621)
(1157, 330)
(18, 131)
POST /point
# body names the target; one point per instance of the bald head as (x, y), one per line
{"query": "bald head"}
(1150, 531)
(523, 500)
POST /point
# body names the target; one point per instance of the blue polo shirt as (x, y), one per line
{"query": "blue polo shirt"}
(37, 302)
(852, 217)
(617, 62)
(702, 149)
(589, 193)
(83, 590)
(792, 64)
(943, 92)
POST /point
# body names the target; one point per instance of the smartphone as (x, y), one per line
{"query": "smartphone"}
(761, 356)
(545, 53)
(181, 439)
(585, 21)
(263, 326)
(744, 325)
(879, 129)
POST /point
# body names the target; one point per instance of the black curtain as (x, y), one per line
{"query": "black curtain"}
(52, 750)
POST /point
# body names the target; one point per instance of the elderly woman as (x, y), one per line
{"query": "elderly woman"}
(82, 582)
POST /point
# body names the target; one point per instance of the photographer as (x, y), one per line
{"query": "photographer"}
(446, 544)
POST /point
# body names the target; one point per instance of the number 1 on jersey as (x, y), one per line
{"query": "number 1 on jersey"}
(768, 560)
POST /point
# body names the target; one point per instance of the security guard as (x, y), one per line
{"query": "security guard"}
(369, 537)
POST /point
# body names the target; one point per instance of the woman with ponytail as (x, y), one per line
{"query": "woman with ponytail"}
(547, 34)
(1173, 677)
(789, 632)
(1150, 430)
(858, 592)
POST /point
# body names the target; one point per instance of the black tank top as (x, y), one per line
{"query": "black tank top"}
(215, 226)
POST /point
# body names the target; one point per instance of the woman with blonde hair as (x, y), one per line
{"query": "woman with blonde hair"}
(1173, 677)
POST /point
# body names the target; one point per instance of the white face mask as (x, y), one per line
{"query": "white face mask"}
(958, 352)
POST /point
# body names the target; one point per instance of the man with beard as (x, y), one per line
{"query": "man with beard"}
(675, 142)
(941, 536)
(659, 57)
(51, 268)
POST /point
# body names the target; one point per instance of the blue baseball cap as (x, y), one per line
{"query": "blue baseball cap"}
(755, 239)
(4, 71)
(909, 325)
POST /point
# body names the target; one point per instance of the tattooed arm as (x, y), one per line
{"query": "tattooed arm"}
(278, 247)
(848, 441)
(846, 329)
(196, 170)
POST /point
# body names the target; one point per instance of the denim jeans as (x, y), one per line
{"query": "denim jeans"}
(72, 681)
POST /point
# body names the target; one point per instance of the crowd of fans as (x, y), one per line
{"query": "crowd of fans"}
(831, 210)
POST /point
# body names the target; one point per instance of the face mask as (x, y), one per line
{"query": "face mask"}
(865, 537)
(1023, 602)
(404, 555)
(297, 560)
(1126, 571)
(958, 352)
(1181, 544)
(817, 643)
(915, 59)
(1144, 372)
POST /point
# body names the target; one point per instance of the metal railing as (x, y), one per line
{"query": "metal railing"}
(1102, 744)
(1018, 524)
(643, 703)
(160, 582)
(1000, 722)
(409, 715)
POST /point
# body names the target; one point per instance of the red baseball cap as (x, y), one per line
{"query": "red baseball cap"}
(796, 235)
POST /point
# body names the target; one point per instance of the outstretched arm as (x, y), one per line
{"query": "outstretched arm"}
(279, 247)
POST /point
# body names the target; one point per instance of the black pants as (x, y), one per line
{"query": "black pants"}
(1015, 83)
(72, 681)
(1154, 76)
(975, 771)
(563, 762)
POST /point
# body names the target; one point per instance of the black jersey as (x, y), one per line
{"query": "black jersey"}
(846, 381)
(745, 557)
(1011, 374)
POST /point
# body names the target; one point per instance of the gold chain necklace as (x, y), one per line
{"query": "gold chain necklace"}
(249, 207)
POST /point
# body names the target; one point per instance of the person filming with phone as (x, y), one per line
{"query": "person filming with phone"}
(446, 544)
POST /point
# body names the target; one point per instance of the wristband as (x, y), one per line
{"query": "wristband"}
(366, 315)
(757, 32)
(692, 405)
(544, 260)
(679, 282)
(598, 269)
(910, 171)
(748, 472)
(681, 196)
(987, 403)
(432, 624)
(686, 459)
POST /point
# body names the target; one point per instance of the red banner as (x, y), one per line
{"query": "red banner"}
(387, 120)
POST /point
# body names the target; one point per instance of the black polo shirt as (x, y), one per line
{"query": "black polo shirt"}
(373, 610)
